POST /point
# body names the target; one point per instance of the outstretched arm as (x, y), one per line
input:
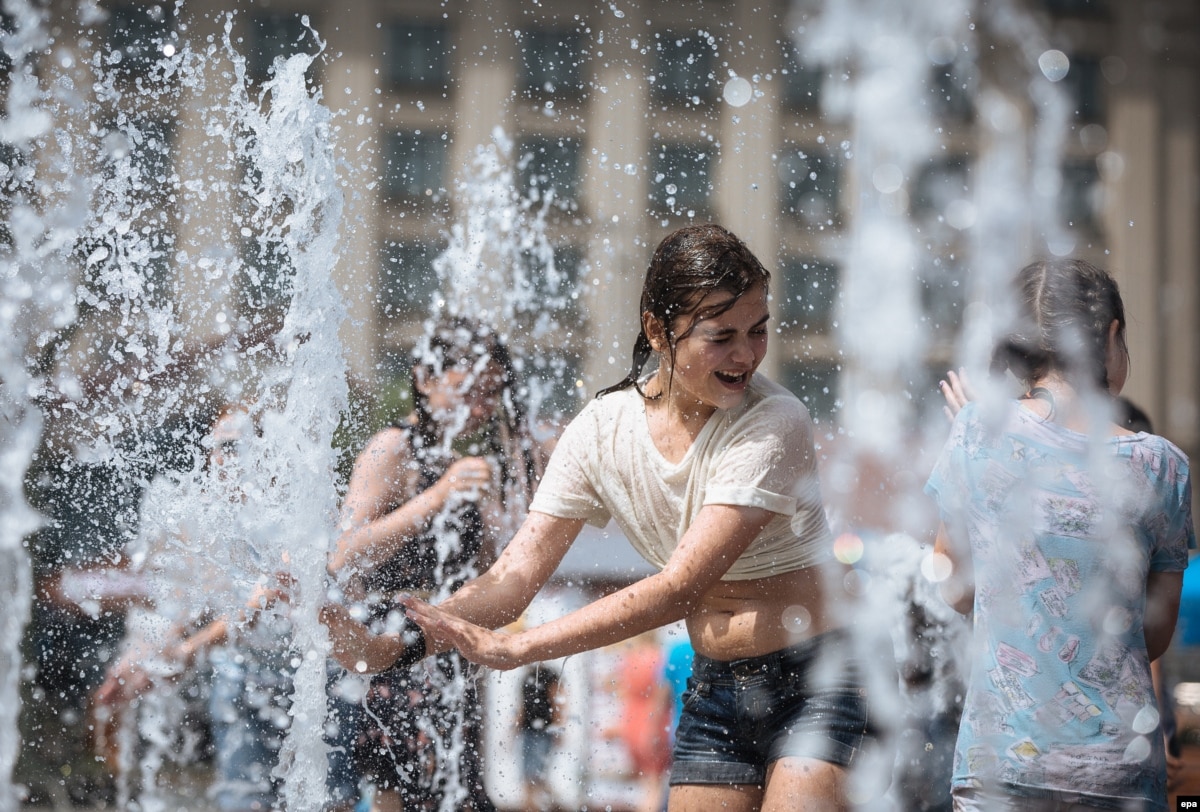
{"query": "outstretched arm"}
(718, 536)
(494, 599)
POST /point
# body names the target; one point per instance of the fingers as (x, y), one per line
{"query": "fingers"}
(442, 631)
(956, 391)
(470, 473)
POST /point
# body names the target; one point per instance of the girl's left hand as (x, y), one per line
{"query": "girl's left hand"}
(444, 631)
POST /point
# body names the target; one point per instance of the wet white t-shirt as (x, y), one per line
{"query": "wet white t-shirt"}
(759, 454)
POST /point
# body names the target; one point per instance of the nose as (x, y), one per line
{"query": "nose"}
(744, 351)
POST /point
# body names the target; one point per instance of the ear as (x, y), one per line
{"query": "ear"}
(655, 332)
(1116, 358)
(1114, 333)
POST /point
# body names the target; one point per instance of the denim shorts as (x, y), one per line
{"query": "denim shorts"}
(805, 701)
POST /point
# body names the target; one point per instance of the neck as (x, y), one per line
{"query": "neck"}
(674, 405)
(1053, 398)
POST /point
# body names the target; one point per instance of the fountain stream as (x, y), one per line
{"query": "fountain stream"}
(89, 228)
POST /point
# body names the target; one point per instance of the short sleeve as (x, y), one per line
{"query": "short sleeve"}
(767, 460)
(567, 489)
(1173, 530)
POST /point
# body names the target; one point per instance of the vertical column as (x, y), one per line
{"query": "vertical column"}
(349, 84)
(1180, 355)
(1133, 214)
(614, 190)
(486, 73)
(745, 178)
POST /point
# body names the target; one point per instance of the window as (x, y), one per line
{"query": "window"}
(943, 298)
(414, 165)
(552, 63)
(683, 68)
(139, 33)
(811, 291)
(550, 163)
(552, 390)
(815, 382)
(801, 82)
(416, 55)
(1085, 89)
(680, 183)
(953, 88)
(811, 185)
(545, 289)
(408, 281)
(938, 187)
(1082, 197)
(275, 35)
(553, 291)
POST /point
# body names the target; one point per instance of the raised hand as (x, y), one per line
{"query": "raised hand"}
(470, 476)
(957, 392)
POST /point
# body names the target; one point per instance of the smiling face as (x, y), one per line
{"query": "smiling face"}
(715, 357)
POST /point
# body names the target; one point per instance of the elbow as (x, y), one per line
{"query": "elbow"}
(678, 597)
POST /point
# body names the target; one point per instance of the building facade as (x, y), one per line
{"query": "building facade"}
(630, 114)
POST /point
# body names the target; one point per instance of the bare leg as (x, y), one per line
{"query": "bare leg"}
(805, 784)
(705, 797)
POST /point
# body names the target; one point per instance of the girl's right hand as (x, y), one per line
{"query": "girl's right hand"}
(957, 392)
(470, 476)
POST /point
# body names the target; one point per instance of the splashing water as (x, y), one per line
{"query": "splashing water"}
(272, 178)
(113, 213)
(35, 301)
(499, 268)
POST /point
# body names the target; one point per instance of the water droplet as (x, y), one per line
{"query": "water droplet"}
(796, 619)
(738, 91)
(848, 548)
(1138, 750)
(1054, 65)
(936, 567)
(887, 178)
(1146, 721)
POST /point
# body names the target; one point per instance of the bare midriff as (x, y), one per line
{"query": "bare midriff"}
(739, 619)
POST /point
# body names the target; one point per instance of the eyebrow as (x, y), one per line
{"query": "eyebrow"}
(729, 330)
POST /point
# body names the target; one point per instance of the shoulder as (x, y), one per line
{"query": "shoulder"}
(389, 443)
(1158, 454)
(611, 407)
(769, 402)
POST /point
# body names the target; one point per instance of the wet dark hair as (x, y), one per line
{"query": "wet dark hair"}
(1065, 307)
(687, 265)
(453, 340)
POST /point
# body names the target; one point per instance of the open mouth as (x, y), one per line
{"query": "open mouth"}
(730, 378)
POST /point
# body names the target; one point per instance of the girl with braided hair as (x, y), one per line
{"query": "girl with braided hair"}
(1067, 535)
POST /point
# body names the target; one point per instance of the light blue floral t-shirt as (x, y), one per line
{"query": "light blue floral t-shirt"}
(1063, 531)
